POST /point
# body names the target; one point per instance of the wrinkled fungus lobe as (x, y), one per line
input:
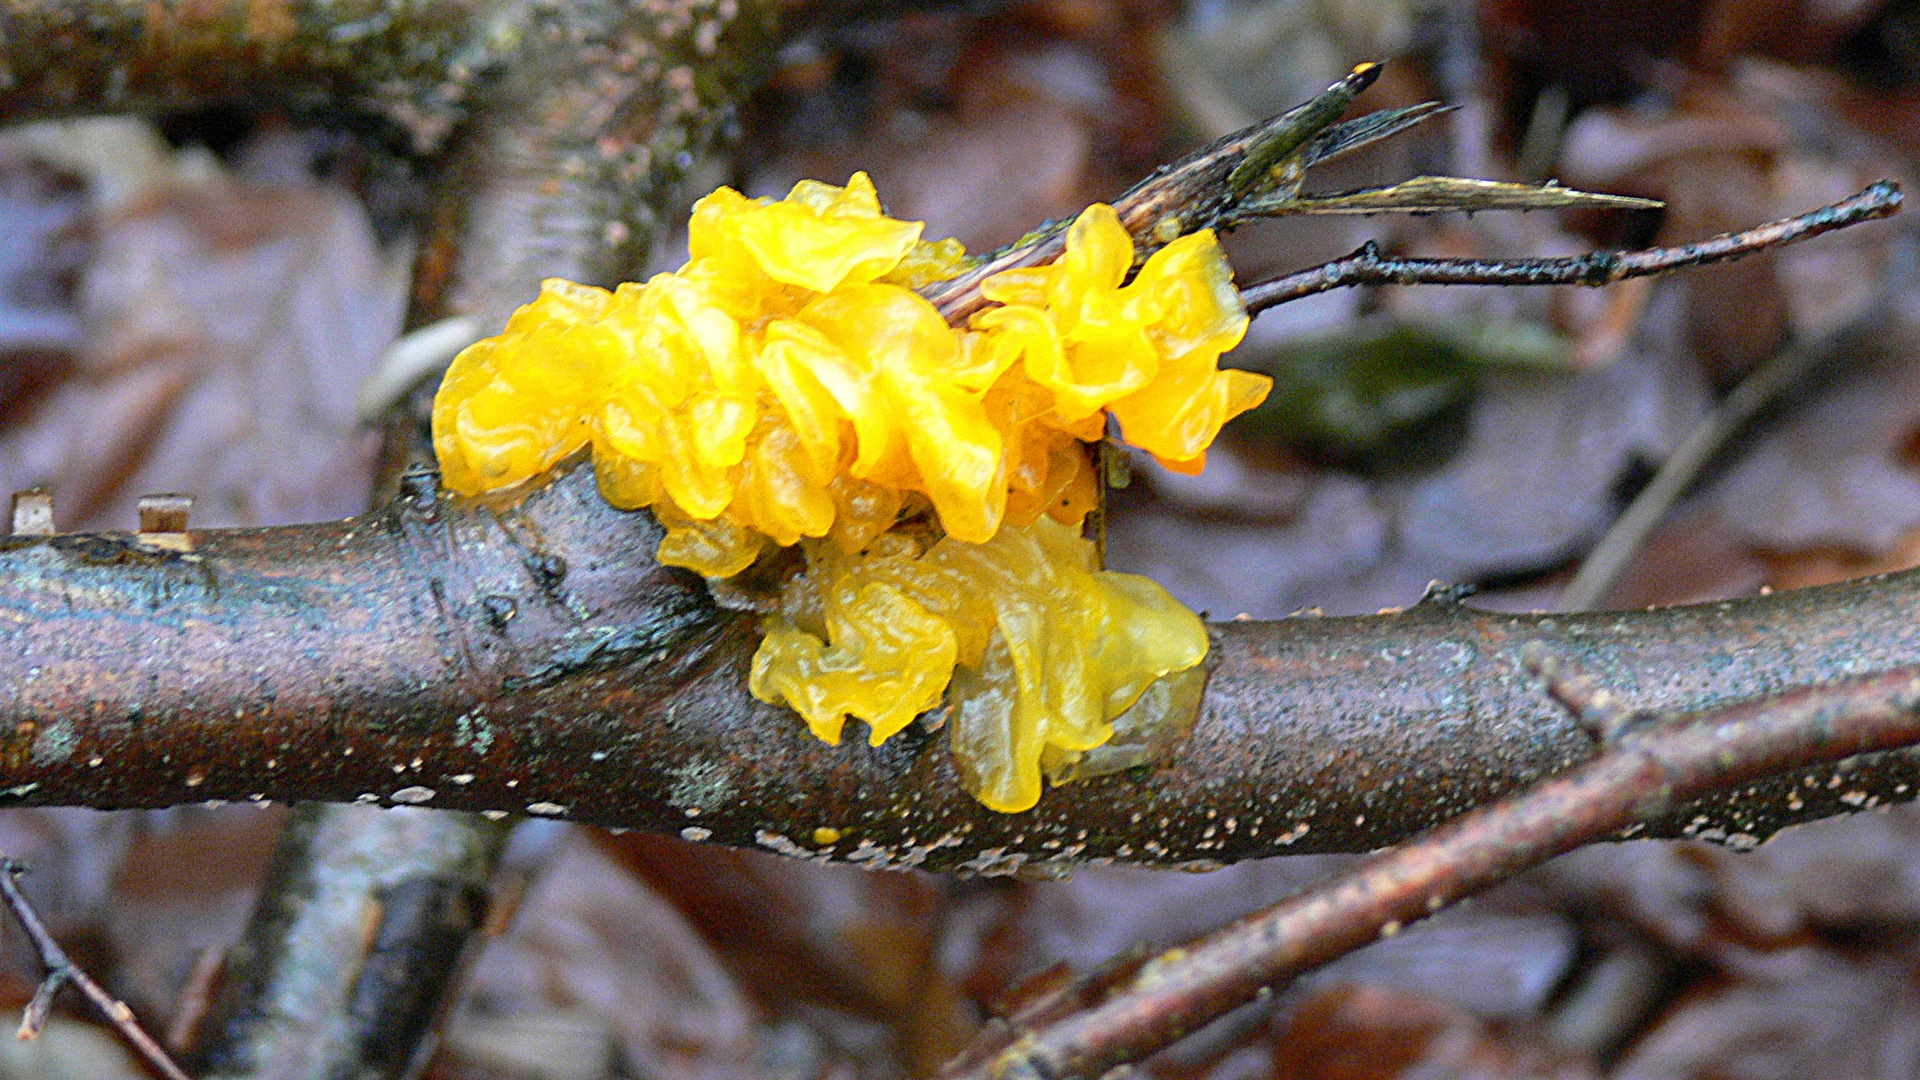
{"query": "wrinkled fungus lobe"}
(787, 386)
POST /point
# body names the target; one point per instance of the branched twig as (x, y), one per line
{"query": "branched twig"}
(62, 970)
(1257, 172)
(1368, 267)
(1789, 365)
(1644, 774)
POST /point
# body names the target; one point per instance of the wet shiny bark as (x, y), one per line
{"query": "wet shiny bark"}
(530, 658)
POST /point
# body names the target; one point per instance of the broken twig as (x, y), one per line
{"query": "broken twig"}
(1268, 158)
(1257, 172)
(1599, 711)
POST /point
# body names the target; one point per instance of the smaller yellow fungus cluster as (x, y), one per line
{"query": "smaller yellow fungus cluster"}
(787, 386)
(1052, 648)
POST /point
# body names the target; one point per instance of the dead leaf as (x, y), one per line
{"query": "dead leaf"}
(229, 327)
(594, 945)
(1365, 1032)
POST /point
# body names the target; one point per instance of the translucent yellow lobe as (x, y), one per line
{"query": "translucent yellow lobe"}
(1052, 648)
(788, 387)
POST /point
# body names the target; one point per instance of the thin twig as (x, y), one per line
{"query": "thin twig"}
(61, 970)
(190, 1005)
(1788, 366)
(1368, 267)
(1187, 987)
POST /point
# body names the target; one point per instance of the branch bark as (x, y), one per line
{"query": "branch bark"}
(417, 65)
(522, 655)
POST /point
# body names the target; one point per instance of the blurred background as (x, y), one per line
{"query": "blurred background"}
(195, 302)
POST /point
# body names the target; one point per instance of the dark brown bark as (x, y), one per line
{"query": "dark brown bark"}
(528, 657)
(1368, 267)
(579, 121)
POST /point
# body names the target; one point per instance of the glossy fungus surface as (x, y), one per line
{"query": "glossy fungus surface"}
(787, 386)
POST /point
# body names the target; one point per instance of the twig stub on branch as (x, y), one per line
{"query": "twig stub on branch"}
(356, 661)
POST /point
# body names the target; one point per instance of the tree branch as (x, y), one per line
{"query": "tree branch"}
(521, 655)
(580, 144)
(1642, 778)
(416, 65)
(1368, 267)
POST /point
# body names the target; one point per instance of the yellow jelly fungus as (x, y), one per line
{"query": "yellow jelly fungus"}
(1050, 649)
(787, 386)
